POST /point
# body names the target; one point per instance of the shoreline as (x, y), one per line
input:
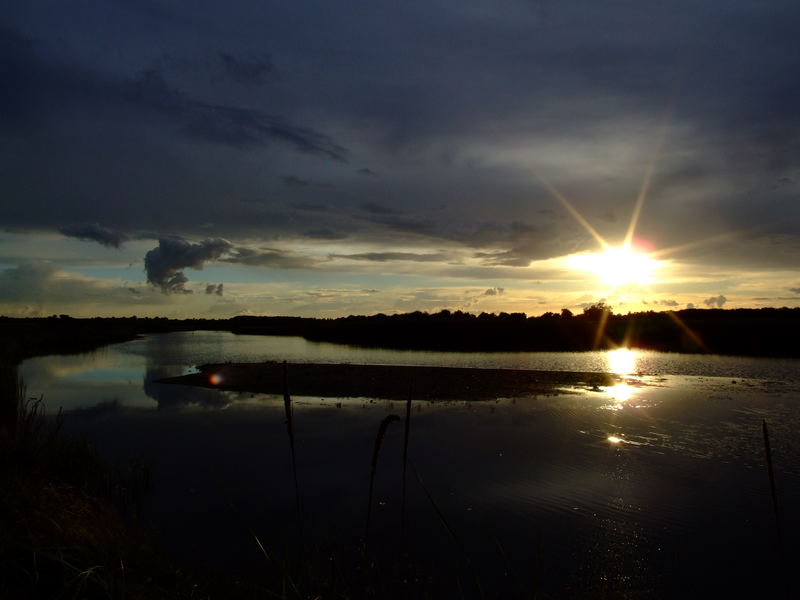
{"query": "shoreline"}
(390, 382)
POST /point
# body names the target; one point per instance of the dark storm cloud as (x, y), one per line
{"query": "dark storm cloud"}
(96, 233)
(406, 225)
(294, 181)
(312, 206)
(165, 263)
(270, 257)
(378, 209)
(324, 234)
(525, 243)
(394, 256)
(33, 79)
(452, 103)
(247, 70)
(229, 125)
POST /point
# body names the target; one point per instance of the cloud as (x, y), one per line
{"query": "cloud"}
(795, 290)
(214, 289)
(340, 293)
(394, 256)
(294, 181)
(690, 305)
(96, 233)
(34, 78)
(378, 209)
(312, 206)
(665, 302)
(525, 243)
(164, 263)
(366, 171)
(494, 291)
(270, 257)
(324, 234)
(718, 301)
(37, 288)
(247, 70)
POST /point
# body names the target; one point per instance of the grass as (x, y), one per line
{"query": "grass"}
(69, 523)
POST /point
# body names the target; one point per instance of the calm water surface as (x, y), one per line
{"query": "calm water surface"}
(653, 488)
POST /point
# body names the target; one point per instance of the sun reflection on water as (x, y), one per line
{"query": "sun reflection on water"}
(621, 392)
(622, 361)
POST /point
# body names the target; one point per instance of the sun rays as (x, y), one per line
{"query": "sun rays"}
(617, 267)
(624, 267)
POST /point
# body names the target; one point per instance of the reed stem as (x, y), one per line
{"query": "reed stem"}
(287, 407)
(388, 420)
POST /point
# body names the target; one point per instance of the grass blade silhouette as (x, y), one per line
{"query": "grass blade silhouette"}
(375, 451)
(778, 527)
(287, 407)
(452, 533)
(268, 558)
(406, 430)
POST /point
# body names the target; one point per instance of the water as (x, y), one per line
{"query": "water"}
(653, 488)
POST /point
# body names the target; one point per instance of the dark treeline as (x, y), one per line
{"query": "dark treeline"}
(753, 332)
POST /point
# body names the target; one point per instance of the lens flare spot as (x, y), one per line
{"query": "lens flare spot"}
(614, 439)
(215, 379)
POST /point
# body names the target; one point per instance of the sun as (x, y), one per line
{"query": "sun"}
(618, 266)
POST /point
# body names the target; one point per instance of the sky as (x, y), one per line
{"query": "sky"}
(325, 158)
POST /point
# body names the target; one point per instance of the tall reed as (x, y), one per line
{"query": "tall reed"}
(778, 528)
(287, 407)
(388, 420)
(406, 430)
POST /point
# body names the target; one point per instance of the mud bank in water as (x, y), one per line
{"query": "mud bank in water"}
(390, 382)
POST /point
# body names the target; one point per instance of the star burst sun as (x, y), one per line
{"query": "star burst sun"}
(618, 266)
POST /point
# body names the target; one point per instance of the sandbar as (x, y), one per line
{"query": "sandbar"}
(392, 382)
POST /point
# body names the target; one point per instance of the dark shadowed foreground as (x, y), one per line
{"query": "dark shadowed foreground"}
(389, 382)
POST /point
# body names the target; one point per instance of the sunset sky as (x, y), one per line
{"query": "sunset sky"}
(325, 158)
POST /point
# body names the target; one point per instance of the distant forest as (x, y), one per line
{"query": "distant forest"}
(752, 332)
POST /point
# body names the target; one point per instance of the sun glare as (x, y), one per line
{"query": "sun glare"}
(621, 361)
(618, 266)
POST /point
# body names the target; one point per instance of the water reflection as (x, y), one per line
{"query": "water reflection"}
(621, 392)
(168, 357)
(560, 470)
(621, 361)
